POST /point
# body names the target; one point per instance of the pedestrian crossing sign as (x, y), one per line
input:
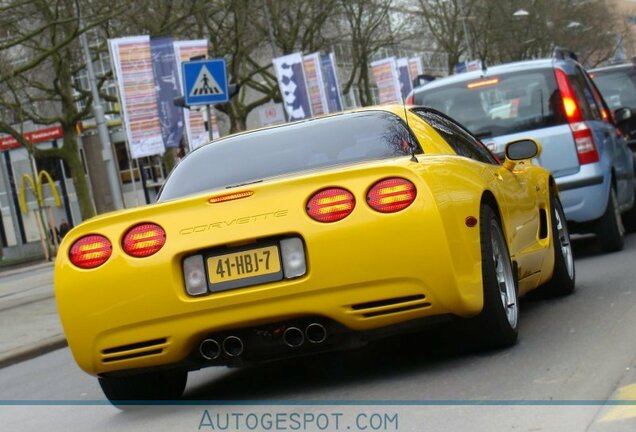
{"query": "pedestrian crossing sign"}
(205, 82)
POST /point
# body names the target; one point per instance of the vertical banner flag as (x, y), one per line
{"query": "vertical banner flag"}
(315, 84)
(474, 65)
(194, 119)
(132, 63)
(164, 66)
(291, 82)
(386, 78)
(415, 67)
(330, 78)
(460, 68)
(404, 76)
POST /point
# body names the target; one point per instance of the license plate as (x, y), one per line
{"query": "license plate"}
(244, 268)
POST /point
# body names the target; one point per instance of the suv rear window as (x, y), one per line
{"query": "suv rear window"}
(617, 86)
(322, 142)
(499, 104)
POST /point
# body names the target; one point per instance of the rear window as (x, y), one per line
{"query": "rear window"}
(323, 142)
(499, 104)
(617, 87)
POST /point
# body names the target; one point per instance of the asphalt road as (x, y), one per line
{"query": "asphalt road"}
(574, 354)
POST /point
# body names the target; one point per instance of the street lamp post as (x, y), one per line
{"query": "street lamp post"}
(100, 121)
(464, 17)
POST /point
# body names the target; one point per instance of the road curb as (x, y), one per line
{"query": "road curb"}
(35, 350)
(24, 269)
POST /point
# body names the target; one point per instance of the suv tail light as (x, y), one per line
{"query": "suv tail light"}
(90, 251)
(410, 99)
(391, 195)
(570, 104)
(583, 138)
(331, 205)
(144, 240)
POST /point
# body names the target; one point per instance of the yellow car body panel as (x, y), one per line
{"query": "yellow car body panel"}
(134, 313)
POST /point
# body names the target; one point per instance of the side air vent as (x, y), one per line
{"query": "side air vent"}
(134, 350)
(390, 306)
(134, 346)
(543, 223)
(132, 356)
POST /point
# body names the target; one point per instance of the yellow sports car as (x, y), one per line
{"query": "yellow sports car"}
(309, 237)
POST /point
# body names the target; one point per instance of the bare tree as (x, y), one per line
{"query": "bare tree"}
(514, 30)
(366, 25)
(447, 23)
(41, 55)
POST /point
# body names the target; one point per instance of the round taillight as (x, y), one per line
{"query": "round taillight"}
(144, 240)
(331, 205)
(391, 195)
(90, 251)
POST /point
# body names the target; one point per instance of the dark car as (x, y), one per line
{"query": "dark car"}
(618, 87)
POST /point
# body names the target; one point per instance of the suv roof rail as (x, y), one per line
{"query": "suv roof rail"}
(563, 53)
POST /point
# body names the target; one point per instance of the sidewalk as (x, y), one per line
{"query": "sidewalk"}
(29, 323)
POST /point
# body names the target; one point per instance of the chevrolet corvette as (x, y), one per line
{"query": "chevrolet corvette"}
(311, 237)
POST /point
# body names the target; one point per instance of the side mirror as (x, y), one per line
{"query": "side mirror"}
(622, 114)
(520, 150)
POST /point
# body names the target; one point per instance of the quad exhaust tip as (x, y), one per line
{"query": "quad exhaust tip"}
(293, 337)
(233, 346)
(210, 349)
(316, 333)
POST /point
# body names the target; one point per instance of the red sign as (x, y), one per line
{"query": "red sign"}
(34, 137)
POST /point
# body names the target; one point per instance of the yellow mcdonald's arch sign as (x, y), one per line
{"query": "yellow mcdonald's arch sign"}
(36, 187)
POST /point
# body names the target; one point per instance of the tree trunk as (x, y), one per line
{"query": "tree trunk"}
(70, 154)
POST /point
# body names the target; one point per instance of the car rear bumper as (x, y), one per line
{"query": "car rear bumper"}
(584, 195)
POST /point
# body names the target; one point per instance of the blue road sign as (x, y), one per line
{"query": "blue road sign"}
(205, 82)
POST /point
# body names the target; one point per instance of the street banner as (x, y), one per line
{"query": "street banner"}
(460, 68)
(473, 65)
(415, 67)
(293, 89)
(468, 66)
(196, 133)
(386, 78)
(330, 79)
(404, 75)
(270, 114)
(315, 84)
(132, 64)
(164, 66)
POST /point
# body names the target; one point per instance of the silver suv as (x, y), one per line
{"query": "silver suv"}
(554, 102)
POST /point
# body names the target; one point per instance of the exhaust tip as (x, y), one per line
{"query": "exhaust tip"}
(293, 337)
(233, 346)
(316, 333)
(210, 349)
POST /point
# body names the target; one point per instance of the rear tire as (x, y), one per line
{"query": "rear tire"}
(162, 385)
(563, 278)
(609, 229)
(497, 324)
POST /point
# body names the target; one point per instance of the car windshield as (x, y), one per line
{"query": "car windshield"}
(498, 104)
(617, 87)
(253, 156)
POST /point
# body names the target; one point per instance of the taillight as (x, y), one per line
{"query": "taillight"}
(90, 251)
(331, 205)
(599, 103)
(391, 195)
(584, 140)
(144, 240)
(410, 100)
(570, 105)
